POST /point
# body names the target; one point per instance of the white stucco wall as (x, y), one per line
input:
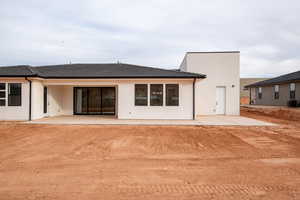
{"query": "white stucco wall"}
(16, 112)
(125, 108)
(67, 100)
(37, 100)
(222, 69)
(55, 100)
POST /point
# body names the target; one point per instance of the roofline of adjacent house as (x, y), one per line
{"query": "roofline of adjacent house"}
(270, 84)
(213, 52)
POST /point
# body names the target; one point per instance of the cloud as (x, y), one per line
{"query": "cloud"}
(152, 32)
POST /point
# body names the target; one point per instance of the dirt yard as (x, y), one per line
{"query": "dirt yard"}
(46, 162)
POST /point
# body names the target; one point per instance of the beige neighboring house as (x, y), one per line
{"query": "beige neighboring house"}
(245, 92)
(206, 83)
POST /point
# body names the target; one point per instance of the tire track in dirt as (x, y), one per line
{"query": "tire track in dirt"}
(246, 190)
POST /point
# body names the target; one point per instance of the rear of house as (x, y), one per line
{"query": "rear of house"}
(207, 83)
(276, 91)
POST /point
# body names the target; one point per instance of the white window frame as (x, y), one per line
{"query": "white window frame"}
(4, 98)
(276, 88)
(293, 88)
(6, 94)
(164, 93)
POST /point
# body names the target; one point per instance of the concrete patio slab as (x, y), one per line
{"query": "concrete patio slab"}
(203, 120)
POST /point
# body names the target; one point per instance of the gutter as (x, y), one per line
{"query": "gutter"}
(30, 86)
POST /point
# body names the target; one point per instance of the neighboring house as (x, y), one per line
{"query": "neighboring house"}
(276, 91)
(245, 92)
(207, 83)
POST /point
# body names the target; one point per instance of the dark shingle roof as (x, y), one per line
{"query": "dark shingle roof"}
(16, 71)
(295, 76)
(95, 71)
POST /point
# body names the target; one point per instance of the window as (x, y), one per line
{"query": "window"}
(259, 93)
(2, 94)
(14, 94)
(292, 91)
(276, 92)
(156, 94)
(141, 94)
(172, 95)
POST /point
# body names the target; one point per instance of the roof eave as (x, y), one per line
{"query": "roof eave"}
(122, 77)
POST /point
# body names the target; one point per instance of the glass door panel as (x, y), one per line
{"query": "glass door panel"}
(94, 100)
(108, 101)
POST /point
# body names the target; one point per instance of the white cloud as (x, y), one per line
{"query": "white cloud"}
(151, 32)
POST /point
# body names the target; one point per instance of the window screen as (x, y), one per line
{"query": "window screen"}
(14, 94)
(2, 94)
(141, 94)
(172, 95)
(2, 86)
(156, 94)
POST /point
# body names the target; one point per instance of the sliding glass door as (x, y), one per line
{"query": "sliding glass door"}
(94, 100)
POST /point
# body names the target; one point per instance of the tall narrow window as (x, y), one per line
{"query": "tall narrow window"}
(141, 94)
(156, 94)
(292, 91)
(2, 94)
(172, 95)
(14, 94)
(259, 93)
(276, 92)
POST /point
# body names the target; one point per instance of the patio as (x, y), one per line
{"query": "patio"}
(111, 120)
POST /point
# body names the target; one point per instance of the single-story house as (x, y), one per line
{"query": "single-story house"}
(276, 91)
(244, 91)
(207, 83)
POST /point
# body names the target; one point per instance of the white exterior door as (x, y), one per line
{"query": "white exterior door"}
(220, 100)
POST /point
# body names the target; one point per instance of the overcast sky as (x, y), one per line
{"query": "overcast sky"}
(151, 32)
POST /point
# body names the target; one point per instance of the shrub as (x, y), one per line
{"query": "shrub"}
(292, 103)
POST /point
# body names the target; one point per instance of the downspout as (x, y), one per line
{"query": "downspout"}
(29, 117)
(194, 98)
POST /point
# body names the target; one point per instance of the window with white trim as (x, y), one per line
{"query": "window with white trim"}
(259, 93)
(14, 94)
(156, 94)
(292, 91)
(10, 94)
(141, 94)
(172, 95)
(276, 92)
(2, 94)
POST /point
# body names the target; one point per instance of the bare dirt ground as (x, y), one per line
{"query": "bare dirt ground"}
(150, 162)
